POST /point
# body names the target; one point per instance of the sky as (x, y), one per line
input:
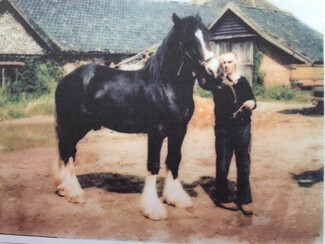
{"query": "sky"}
(311, 12)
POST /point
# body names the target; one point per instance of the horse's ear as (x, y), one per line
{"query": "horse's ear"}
(198, 17)
(176, 19)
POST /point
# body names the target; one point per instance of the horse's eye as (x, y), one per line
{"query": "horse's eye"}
(212, 44)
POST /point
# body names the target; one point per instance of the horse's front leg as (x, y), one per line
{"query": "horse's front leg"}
(173, 193)
(151, 206)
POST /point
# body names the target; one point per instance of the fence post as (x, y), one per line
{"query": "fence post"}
(3, 79)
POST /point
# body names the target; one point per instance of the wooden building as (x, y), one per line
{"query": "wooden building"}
(283, 45)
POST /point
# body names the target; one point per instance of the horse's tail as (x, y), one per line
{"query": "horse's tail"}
(71, 124)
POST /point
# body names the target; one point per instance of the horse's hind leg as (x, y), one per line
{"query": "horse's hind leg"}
(65, 176)
(151, 206)
(173, 193)
(67, 183)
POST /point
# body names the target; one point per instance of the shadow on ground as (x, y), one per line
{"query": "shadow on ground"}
(312, 111)
(125, 183)
(309, 178)
(134, 184)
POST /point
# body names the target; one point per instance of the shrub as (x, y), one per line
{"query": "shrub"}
(36, 79)
(33, 92)
(258, 76)
(280, 94)
(259, 91)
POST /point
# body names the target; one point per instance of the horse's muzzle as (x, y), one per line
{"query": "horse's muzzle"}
(211, 66)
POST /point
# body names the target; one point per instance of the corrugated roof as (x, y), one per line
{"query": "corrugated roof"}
(114, 26)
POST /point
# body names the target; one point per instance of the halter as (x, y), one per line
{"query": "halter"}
(201, 62)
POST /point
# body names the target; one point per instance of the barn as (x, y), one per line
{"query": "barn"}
(100, 30)
(271, 44)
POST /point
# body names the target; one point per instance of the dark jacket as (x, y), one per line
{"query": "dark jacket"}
(229, 99)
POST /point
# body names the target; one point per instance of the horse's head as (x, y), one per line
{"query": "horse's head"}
(193, 39)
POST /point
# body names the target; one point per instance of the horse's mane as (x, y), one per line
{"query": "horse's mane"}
(154, 65)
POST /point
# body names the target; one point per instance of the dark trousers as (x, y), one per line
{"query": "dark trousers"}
(233, 138)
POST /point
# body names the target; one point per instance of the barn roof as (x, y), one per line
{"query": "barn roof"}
(129, 26)
(114, 26)
(281, 29)
(251, 3)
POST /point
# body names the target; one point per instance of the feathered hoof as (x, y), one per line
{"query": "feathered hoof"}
(174, 194)
(60, 192)
(155, 212)
(180, 202)
(77, 199)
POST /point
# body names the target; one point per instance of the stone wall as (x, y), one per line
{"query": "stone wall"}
(14, 39)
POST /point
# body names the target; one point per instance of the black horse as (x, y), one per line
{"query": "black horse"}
(157, 100)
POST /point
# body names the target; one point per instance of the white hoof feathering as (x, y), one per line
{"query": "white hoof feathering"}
(151, 206)
(67, 183)
(174, 194)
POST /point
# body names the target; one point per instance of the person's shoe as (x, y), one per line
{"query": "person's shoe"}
(229, 206)
(247, 209)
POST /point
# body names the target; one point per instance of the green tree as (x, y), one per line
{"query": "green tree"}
(37, 78)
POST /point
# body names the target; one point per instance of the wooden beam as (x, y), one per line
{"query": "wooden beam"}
(12, 63)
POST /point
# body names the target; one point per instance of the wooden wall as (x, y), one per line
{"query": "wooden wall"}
(275, 65)
(307, 75)
(275, 73)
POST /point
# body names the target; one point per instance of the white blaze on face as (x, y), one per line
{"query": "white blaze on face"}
(212, 64)
(206, 53)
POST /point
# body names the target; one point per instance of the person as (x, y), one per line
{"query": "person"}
(234, 102)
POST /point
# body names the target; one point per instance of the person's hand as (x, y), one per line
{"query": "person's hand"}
(249, 104)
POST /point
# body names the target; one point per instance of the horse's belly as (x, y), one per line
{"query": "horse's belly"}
(125, 127)
(129, 121)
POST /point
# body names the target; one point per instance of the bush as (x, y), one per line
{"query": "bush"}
(33, 92)
(259, 91)
(280, 94)
(36, 79)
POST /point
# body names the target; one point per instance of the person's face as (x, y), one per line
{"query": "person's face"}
(228, 62)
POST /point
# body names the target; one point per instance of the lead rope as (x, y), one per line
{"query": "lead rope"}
(180, 68)
(234, 115)
(230, 85)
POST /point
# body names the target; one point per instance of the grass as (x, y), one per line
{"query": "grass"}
(285, 94)
(27, 107)
(26, 136)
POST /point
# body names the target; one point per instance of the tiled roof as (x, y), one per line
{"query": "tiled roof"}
(255, 3)
(289, 31)
(114, 26)
(130, 26)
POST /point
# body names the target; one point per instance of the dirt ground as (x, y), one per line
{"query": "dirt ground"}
(287, 139)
